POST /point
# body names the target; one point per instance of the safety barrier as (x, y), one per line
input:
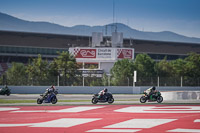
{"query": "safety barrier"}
(181, 95)
(113, 89)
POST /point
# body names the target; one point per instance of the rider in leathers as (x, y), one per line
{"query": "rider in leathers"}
(49, 91)
(150, 92)
(102, 93)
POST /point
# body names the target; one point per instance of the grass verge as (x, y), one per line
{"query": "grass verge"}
(2, 101)
(16, 101)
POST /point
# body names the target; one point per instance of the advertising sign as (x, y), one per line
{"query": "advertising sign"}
(102, 53)
(124, 53)
(85, 53)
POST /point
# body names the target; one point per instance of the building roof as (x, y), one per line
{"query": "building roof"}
(45, 40)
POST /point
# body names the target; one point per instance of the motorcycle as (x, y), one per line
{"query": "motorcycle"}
(107, 97)
(154, 97)
(5, 91)
(49, 98)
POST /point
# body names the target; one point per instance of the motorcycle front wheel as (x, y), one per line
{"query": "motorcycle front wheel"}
(143, 99)
(54, 100)
(159, 99)
(39, 101)
(110, 100)
(94, 100)
(8, 93)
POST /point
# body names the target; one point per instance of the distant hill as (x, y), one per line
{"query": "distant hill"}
(11, 23)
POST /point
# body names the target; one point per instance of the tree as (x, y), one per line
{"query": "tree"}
(53, 73)
(164, 68)
(121, 71)
(178, 67)
(67, 66)
(192, 69)
(16, 75)
(144, 66)
(166, 73)
(38, 71)
(192, 66)
(105, 79)
(1, 80)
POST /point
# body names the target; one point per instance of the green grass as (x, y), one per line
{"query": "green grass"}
(4, 101)
(128, 100)
(34, 101)
(16, 101)
(74, 100)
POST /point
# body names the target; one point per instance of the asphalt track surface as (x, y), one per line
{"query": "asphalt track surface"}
(127, 114)
(74, 98)
(85, 99)
(100, 118)
(69, 96)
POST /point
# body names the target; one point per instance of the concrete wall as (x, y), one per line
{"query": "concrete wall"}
(91, 90)
(182, 95)
(172, 88)
(73, 90)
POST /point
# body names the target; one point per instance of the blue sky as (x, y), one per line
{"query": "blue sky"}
(179, 16)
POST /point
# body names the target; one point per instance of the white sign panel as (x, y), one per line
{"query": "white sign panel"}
(105, 53)
(98, 54)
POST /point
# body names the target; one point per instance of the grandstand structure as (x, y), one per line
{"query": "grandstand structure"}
(21, 46)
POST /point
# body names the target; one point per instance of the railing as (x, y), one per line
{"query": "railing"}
(98, 81)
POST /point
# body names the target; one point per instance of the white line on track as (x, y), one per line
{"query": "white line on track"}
(67, 110)
(154, 109)
(78, 109)
(140, 123)
(7, 109)
(64, 122)
(181, 130)
(115, 130)
(197, 120)
(15, 125)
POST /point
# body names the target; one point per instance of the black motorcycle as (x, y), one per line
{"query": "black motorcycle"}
(49, 98)
(107, 97)
(5, 91)
(154, 97)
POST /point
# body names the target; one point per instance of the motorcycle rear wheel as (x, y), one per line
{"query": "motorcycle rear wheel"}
(143, 99)
(94, 101)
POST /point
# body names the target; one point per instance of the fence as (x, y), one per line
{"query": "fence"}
(96, 81)
(168, 81)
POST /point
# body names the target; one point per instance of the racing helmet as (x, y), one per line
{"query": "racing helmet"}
(154, 88)
(105, 89)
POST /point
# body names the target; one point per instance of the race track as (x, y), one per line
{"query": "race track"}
(85, 99)
(100, 118)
